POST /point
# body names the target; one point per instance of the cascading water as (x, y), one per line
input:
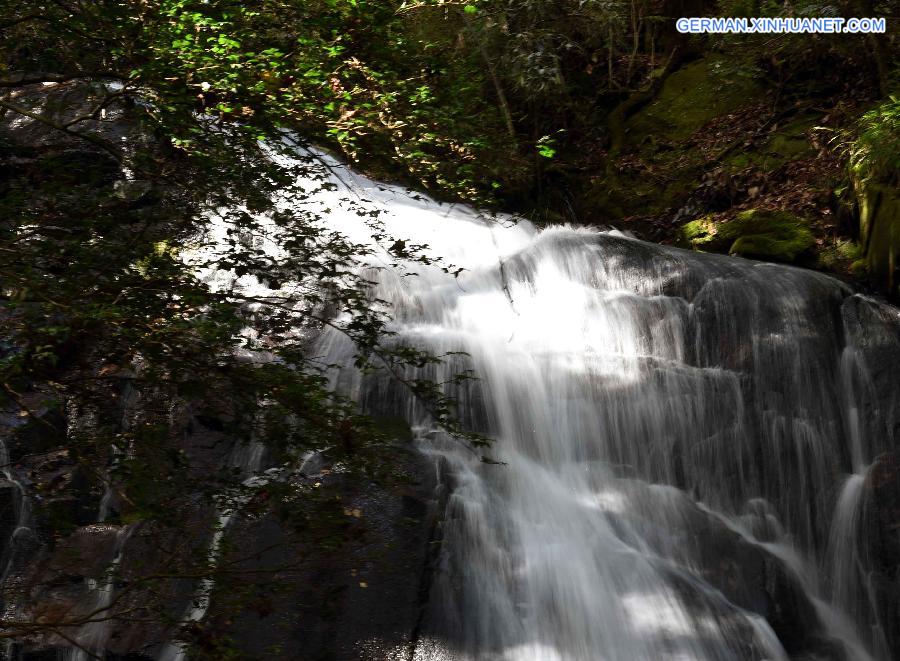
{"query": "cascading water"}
(685, 441)
(21, 519)
(851, 583)
(20, 543)
(93, 637)
(247, 458)
(674, 430)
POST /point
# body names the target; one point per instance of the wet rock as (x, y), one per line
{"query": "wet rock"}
(872, 328)
(746, 573)
(86, 553)
(62, 103)
(884, 526)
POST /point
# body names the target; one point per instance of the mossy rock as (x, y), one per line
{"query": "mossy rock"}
(691, 97)
(842, 255)
(776, 236)
(621, 194)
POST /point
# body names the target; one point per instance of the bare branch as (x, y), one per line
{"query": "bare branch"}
(96, 110)
(95, 140)
(35, 79)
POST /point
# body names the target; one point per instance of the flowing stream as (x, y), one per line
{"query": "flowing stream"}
(684, 440)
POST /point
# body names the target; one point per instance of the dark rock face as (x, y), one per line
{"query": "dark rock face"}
(358, 593)
(874, 328)
(746, 573)
(60, 103)
(344, 583)
(8, 502)
(884, 539)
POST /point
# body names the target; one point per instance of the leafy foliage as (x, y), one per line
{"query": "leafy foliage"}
(153, 119)
(875, 153)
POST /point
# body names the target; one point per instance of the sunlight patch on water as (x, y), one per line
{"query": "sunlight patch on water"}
(656, 613)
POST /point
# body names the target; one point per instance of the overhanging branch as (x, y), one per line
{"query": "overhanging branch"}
(95, 140)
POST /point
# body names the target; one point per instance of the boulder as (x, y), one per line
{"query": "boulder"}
(770, 235)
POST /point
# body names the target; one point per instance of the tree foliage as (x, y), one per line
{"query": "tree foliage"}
(150, 120)
(875, 151)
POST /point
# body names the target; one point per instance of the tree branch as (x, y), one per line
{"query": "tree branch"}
(23, 19)
(63, 78)
(97, 141)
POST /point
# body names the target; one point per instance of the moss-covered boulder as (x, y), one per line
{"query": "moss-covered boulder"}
(659, 135)
(777, 236)
(691, 97)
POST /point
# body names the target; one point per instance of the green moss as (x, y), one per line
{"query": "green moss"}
(788, 147)
(859, 267)
(840, 255)
(774, 247)
(788, 143)
(623, 194)
(771, 235)
(690, 98)
(701, 234)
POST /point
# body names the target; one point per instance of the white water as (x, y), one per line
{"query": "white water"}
(92, 638)
(22, 529)
(632, 390)
(850, 576)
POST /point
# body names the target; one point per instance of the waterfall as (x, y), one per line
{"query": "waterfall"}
(93, 637)
(672, 430)
(247, 458)
(682, 443)
(22, 531)
(20, 543)
(852, 588)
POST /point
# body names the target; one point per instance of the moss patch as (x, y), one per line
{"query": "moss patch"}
(771, 235)
(622, 194)
(690, 98)
(788, 143)
(665, 169)
(842, 256)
